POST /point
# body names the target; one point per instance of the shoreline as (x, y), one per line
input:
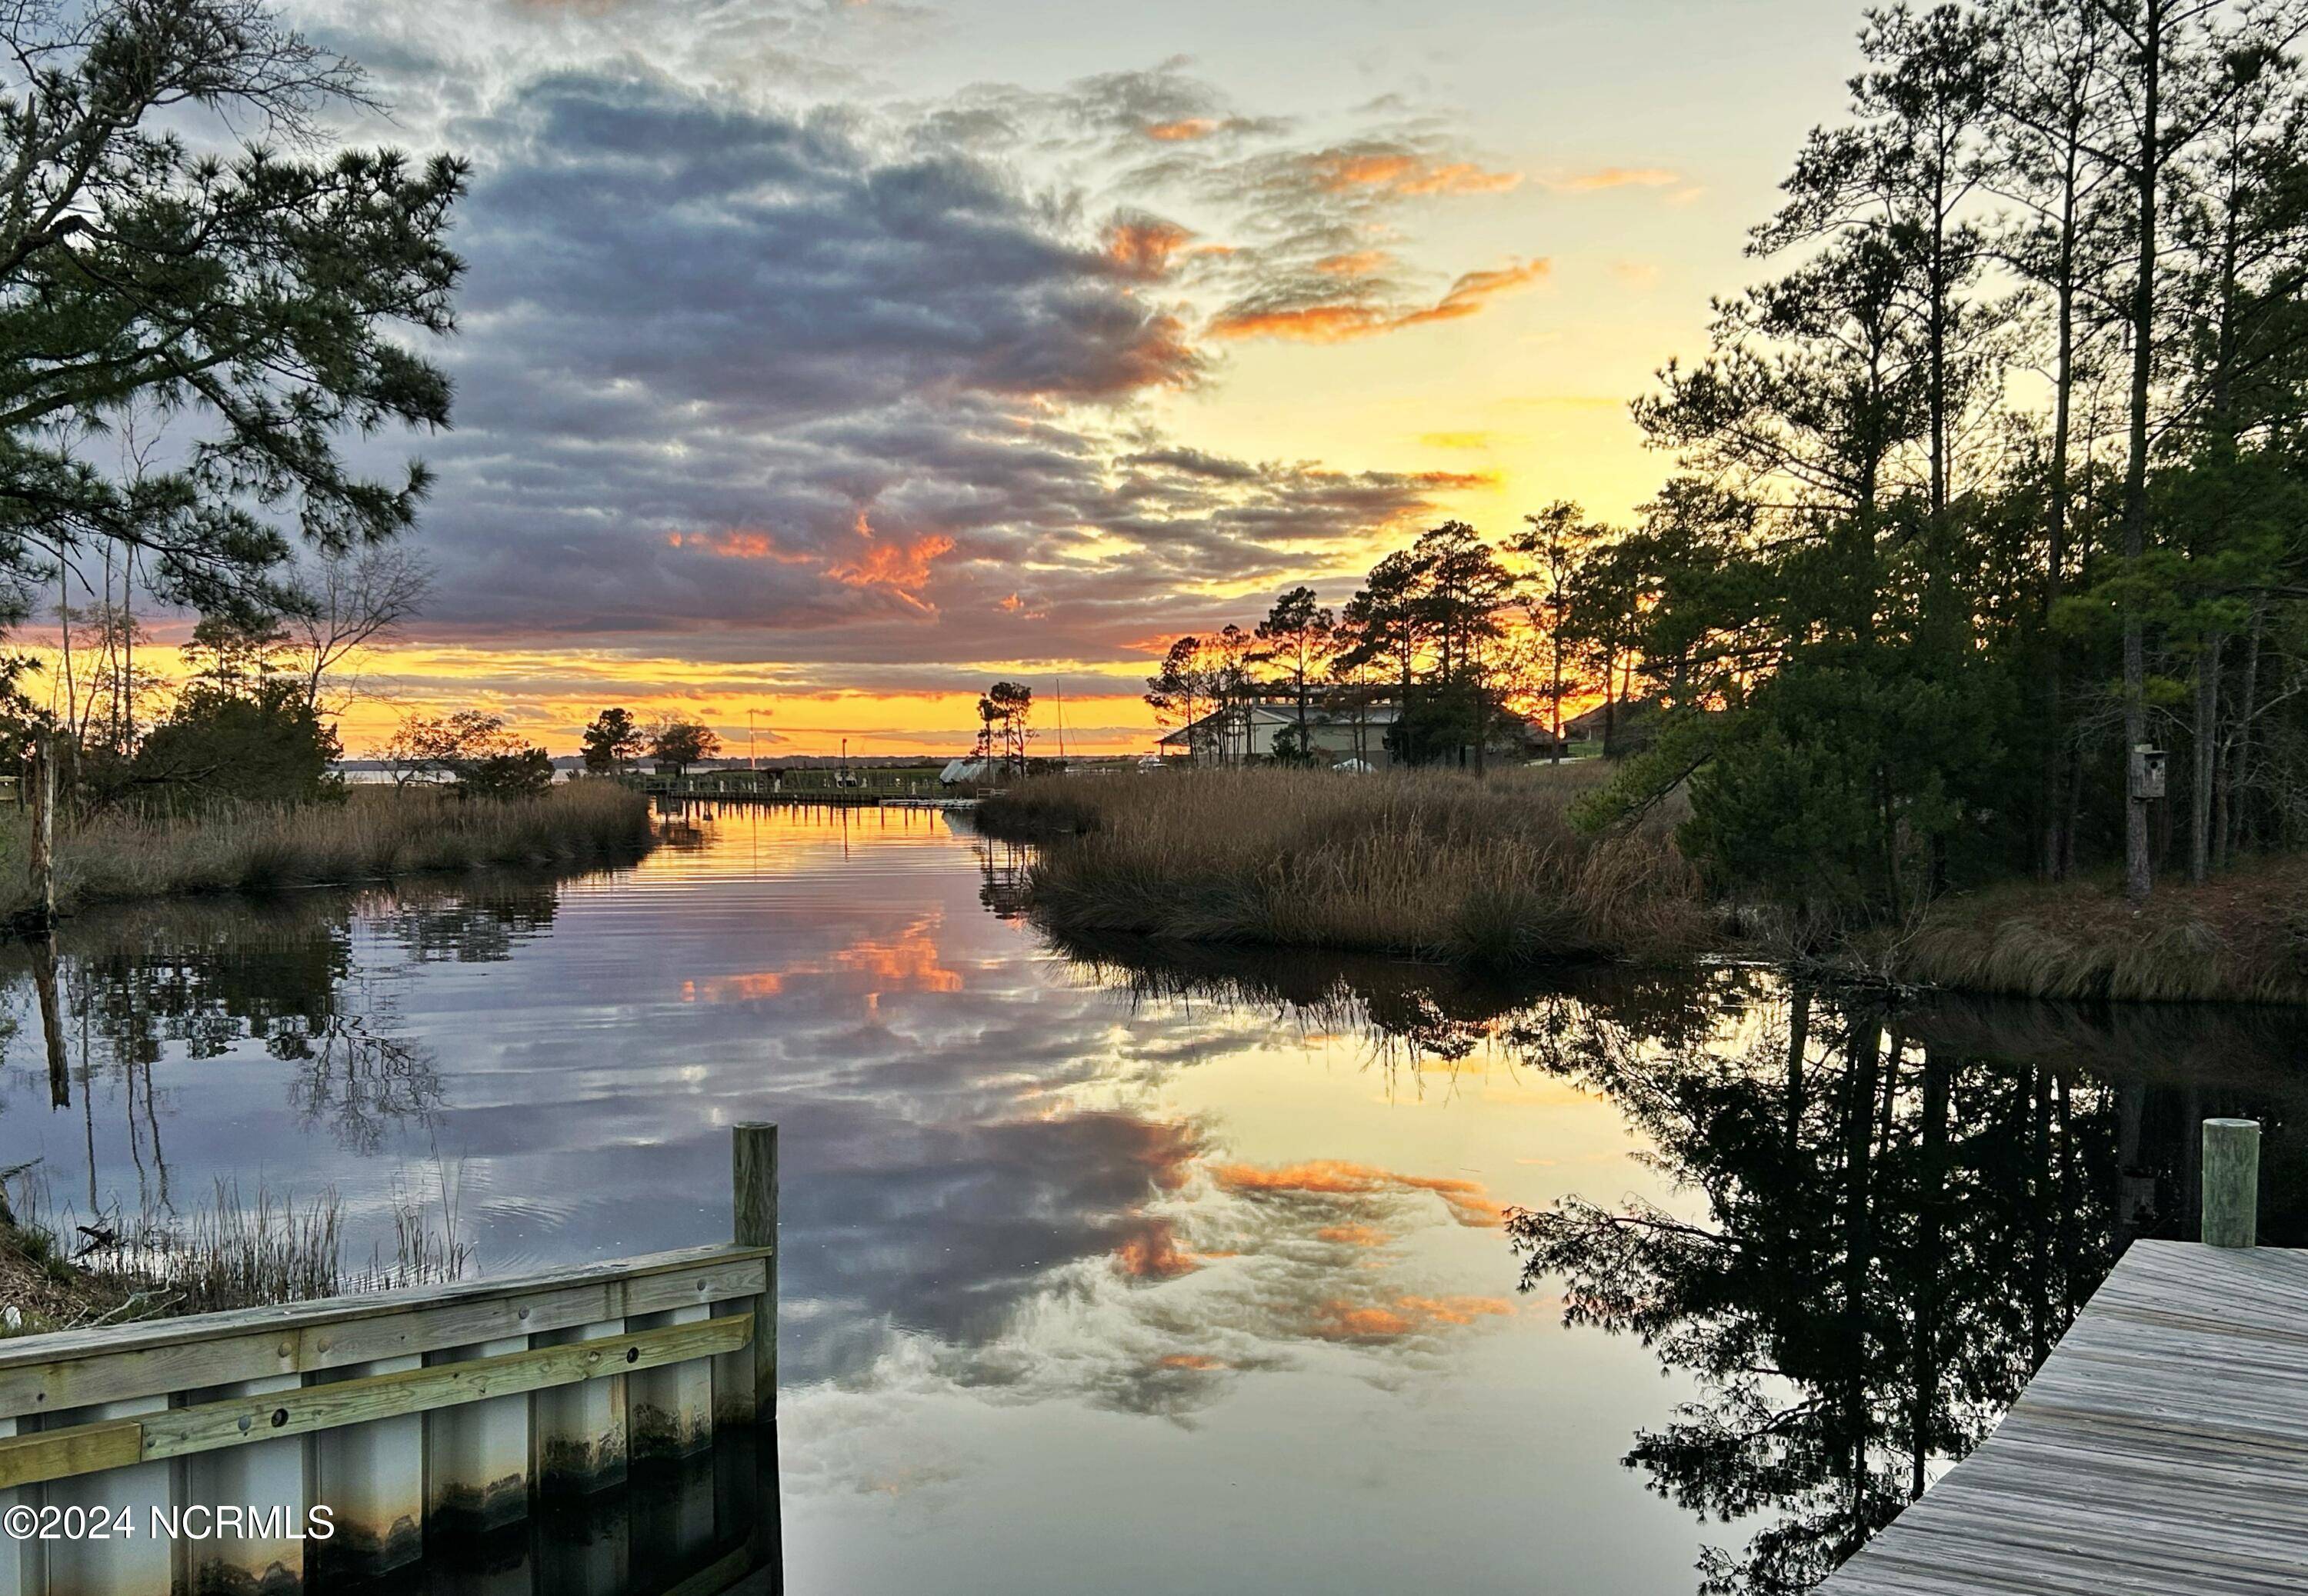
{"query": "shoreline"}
(373, 836)
(1153, 856)
(1483, 872)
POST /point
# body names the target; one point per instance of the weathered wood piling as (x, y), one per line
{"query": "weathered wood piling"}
(2231, 1163)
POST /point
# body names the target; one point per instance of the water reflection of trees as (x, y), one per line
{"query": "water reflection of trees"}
(1888, 1213)
(1897, 1212)
(1001, 867)
(310, 978)
(1403, 1009)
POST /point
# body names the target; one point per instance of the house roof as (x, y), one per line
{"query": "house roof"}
(1267, 713)
(1621, 713)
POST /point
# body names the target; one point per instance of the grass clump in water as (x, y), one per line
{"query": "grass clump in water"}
(1484, 873)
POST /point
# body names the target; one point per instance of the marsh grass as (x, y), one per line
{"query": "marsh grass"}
(61, 1271)
(2243, 937)
(1483, 872)
(375, 834)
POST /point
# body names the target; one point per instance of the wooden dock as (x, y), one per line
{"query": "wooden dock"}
(862, 789)
(2162, 1447)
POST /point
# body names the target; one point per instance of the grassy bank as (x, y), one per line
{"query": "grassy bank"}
(376, 833)
(2243, 937)
(1483, 872)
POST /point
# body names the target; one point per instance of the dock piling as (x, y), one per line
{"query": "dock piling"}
(753, 1181)
(2231, 1182)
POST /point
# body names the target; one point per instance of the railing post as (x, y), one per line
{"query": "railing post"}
(753, 1181)
(2231, 1182)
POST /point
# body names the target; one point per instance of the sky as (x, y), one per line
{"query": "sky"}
(827, 361)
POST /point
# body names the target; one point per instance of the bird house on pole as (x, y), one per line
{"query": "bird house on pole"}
(2146, 772)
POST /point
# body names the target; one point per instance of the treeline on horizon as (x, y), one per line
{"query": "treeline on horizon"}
(1995, 475)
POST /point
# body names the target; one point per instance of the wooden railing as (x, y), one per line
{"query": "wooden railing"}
(398, 1423)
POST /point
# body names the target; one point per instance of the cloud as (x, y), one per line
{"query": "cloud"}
(1332, 321)
(1475, 288)
(901, 569)
(1142, 245)
(759, 371)
(1609, 177)
(1275, 229)
(729, 374)
(1342, 1319)
(1399, 171)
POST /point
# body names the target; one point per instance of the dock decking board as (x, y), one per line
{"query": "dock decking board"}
(2162, 1450)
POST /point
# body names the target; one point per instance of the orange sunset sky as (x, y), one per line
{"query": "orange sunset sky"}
(830, 360)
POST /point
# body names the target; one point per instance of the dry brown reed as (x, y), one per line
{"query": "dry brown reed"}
(2241, 937)
(1484, 873)
(373, 834)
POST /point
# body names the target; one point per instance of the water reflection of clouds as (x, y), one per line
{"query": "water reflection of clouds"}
(1209, 1283)
(871, 965)
(988, 1188)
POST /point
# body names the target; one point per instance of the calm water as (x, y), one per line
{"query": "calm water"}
(1108, 1271)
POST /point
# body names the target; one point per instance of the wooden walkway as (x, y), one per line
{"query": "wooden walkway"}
(2162, 1447)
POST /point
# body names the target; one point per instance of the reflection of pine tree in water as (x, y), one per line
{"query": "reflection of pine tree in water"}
(1896, 1233)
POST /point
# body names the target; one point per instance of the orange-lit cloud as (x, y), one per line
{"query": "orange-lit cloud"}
(1458, 440)
(1182, 130)
(737, 543)
(1608, 178)
(1189, 1360)
(1468, 1201)
(901, 569)
(1313, 324)
(1360, 263)
(1474, 288)
(1337, 322)
(1354, 1235)
(1142, 247)
(1398, 172)
(1342, 1320)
